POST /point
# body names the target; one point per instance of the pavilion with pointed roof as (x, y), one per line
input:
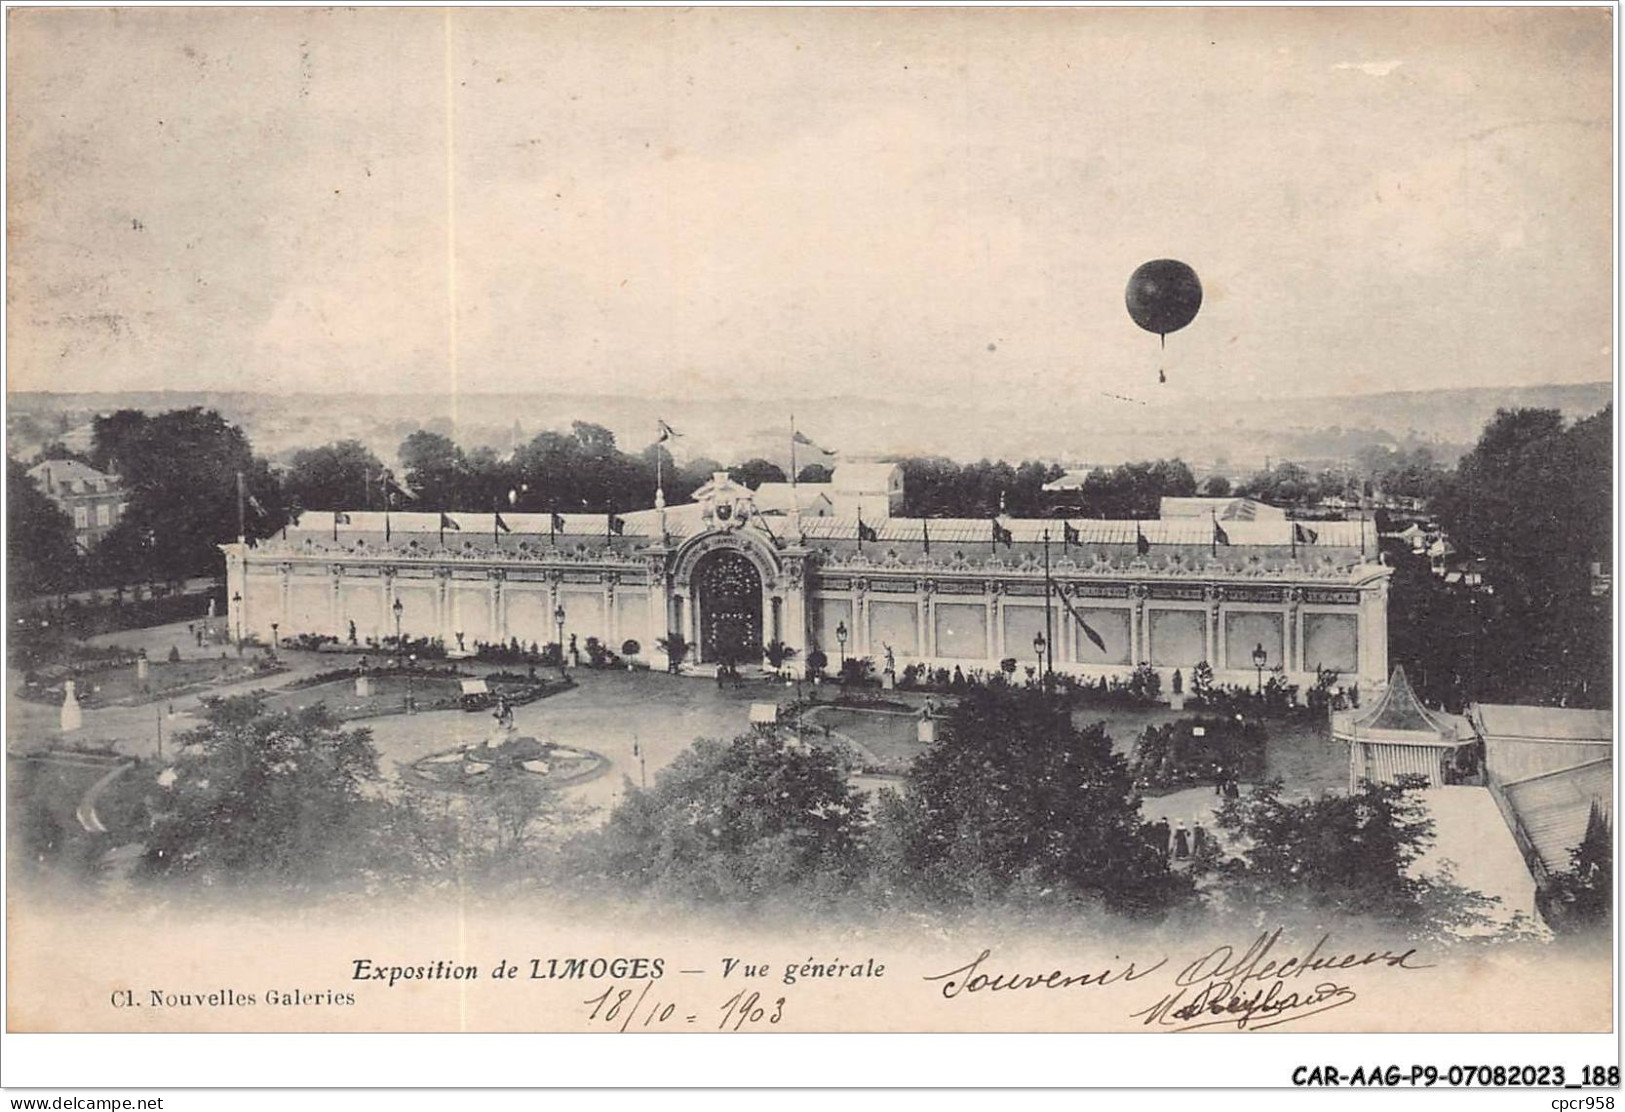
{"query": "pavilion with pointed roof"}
(1396, 735)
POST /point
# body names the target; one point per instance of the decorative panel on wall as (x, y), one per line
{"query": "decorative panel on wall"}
(1021, 624)
(363, 604)
(961, 630)
(1243, 632)
(896, 624)
(827, 614)
(1331, 641)
(1178, 638)
(632, 619)
(1112, 623)
(584, 616)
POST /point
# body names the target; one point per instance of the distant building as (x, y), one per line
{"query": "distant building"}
(1071, 480)
(1551, 770)
(93, 501)
(780, 498)
(1225, 509)
(873, 489)
(1106, 596)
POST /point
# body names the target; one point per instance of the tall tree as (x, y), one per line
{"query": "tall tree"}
(276, 799)
(436, 469)
(1013, 792)
(754, 472)
(344, 475)
(734, 820)
(1534, 500)
(1343, 855)
(40, 550)
(180, 470)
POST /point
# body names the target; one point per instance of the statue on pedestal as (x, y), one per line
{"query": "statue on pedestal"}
(503, 730)
(72, 716)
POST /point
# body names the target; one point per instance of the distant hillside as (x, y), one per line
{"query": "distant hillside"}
(1085, 427)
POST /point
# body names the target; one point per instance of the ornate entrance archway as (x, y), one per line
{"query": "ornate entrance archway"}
(728, 597)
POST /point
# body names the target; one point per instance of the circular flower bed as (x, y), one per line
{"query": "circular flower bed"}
(559, 764)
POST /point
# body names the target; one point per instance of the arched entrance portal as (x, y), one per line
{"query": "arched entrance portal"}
(728, 591)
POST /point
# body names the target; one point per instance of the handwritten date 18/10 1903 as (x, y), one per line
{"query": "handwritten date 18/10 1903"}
(622, 1010)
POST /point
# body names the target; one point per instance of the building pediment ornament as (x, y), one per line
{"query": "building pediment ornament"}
(724, 504)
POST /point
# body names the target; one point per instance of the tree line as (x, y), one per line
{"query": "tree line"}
(1015, 809)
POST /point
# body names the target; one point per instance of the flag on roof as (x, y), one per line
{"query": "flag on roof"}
(666, 432)
(617, 526)
(447, 523)
(801, 438)
(866, 532)
(1001, 535)
(1141, 545)
(1069, 535)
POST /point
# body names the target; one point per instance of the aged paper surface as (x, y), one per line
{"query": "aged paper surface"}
(907, 229)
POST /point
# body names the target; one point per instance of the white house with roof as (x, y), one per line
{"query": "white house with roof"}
(873, 489)
(811, 499)
(93, 500)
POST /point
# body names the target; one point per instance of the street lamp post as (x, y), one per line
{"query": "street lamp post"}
(840, 638)
(1038, 647)
(1260, 658)
(400, 651)
(237, 618)
(274, 638)
(558, 620)
(411, 703)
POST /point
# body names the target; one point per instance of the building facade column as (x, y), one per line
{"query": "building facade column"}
(995, 623)
(1138, 619)
(499, 604)
(927, 637)
(442, 608)
(335, 606)
(387, 596)
(860, 618)
(795, 633)
(1293, 624)
(1215, 596)
(284, 606)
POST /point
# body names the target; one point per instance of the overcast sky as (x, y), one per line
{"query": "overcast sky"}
(797, 202)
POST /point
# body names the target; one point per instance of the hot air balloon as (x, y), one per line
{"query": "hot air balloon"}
(1163, 296)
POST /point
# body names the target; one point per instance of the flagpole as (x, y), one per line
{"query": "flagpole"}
(860, 528)
(792, 459)
(1213, 538)
(242, 529)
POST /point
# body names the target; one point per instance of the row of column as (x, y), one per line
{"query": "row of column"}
(1214, 615)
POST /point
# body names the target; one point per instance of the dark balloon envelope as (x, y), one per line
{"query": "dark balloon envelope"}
(1163, 296)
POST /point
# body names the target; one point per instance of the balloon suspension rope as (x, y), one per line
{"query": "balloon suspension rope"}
(1162, 353)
